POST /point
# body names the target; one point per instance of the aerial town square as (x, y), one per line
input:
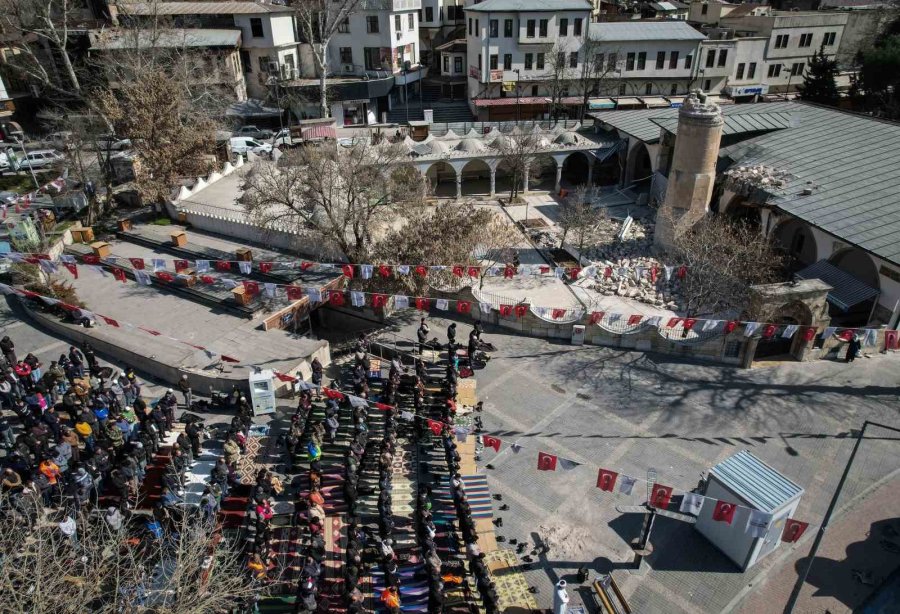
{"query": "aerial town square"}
(449, 306)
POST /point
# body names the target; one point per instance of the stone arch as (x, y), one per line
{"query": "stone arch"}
(778, 346)
(504, 176)
(796, 240)
(476, 177)
(542, 172)
(740, 210)
(441, 178)
(639, 166)
(577, 168)
(857, 263)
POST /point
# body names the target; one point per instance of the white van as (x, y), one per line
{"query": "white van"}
(243, 144)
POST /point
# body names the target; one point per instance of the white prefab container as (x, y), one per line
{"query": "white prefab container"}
(262, 392)
(747, 481)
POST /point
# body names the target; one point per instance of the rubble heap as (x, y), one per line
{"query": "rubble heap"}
(745, 180)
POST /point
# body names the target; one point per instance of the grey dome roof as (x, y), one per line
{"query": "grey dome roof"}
(470, 145)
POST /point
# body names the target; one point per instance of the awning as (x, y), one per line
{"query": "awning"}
(675, 101)
(595, 104)
(499, 102)
(719, 100)
(252, 108)
(655, 102)
(319, 132)
(846, 291)
(627, 102)
(571, 100)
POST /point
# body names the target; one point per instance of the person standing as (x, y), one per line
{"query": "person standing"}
(853, 347)
(185, 387)
(9, 350)
(317, 371)
(422, 334)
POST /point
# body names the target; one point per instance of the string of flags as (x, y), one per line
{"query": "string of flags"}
(23, 201)
(760, 524)
(359, 298)
(370, 271)
(81, 312)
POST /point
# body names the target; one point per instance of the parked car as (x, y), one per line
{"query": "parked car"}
(243, 144)
(114, 143)
(58, 140)
(41, 159)
(284, 138)
(253, 132)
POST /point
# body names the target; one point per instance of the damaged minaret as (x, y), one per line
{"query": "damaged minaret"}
(693, 171)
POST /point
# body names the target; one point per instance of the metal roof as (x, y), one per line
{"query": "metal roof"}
(740, 123)
(169, 38)
(200, 8)
(641, 123)
(846, 291)
(843, 174)
(528, 6)
(642, 31)
(755, 482)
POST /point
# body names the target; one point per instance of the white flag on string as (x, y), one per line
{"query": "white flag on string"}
(403, 269)
(314, 294)
(442, 304)
(524, 270)
(830, 330)
(245, 267)
(366, 271)
(357, 299)
(271, 289)
(750, 328)
(654, 321)
(709, 325)
(356, 401)
(158, 264)
(142, 277)
(401, 301)
(691, 503)
(789, 331)
(668, 270)
(758, 523)
(229, 283)
(871, 337)
(484, 307)
(202, 266)
(626, 484)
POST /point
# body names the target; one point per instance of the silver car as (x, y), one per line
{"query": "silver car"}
(41, 159)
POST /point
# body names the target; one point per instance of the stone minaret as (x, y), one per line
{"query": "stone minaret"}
(693, 170)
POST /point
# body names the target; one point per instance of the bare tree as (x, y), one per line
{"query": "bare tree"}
(517, 152)
(349, 196)
(578, 217)
(599, 72)
(559, 74)
(723, 259)
(319, 20)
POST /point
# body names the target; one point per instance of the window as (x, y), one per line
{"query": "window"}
(707, 85)
(542, 28)
(480, 65)
(806, 39)
(528, 61)
(704, 9)
(688, 60)
(648, 89)
(781, 41)
(622, 89)
(529, 28)
(429, 13)
(540, 61)
(673, 60)
(534, 90)
(346, 55)
(411, 21)
(561, 59)
(507, 61)
(723, 57)
(578, 26)
(797, 68)
(397, 25)
(740, 71)
(446, 64)
(597, 66)
(673, 90)
(563, 27)
(372, 24)
(642, 60)
(457, 64)
(470, 26)
(493, 60)
(494, 26)
(454, 13)
(507, 28)
(477, 28)
(774, 70)
(629, 61)
(573, 59)
(372, 58)
(263, 63)
(611, 61)
(660, 60)
(344, 26)
(256, 29)
(751, 70)
(245, 61)
(710, 58)
(829, 38)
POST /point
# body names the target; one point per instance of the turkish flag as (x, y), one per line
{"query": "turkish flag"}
(265, 267)
(379, 300)
(730, 326)
(384, 270)
(847, 335)
(458, 271)
(809, 333)
(223, 265)
(509, 272)
(682, 272)
(348, 271)
(166, 277)
(606, 480)
(573, 273)
(689, 323)
(284, 377)
(463, 307)
(635, 319)
(422, 270)
(435, 426)
(491, 442)
(306, 265)
(793, 530)
(110, 321)
(155, 333)
(137, 263)
(558, 313)
(91, 259)
(331, 393)
(73, 269)
(521, 310)
(119, 274)
(474, 271)
(383, 406)
(596, 317)
(724, 512)
(180, 265)
(654, 274)
(505, 310)
(607, 272)
(294, 293)
(336, 298)
(422, 304)
(207, 279)
(660, 496)
(673, 322)
(251, 287)
(769, 331)
(545, 269)
(546, 462)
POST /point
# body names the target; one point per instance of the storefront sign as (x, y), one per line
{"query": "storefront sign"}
(509, 86)
(474, 72)
(747, 90)
(496, 75)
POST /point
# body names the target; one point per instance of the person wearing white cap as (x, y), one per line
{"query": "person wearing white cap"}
(185, 387)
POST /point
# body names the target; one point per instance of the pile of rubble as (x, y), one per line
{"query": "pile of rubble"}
(744, 180)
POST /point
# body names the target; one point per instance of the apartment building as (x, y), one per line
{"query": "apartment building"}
(440, 22)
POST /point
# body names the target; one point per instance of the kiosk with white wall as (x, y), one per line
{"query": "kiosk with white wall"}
(747, 481)
(262, 392)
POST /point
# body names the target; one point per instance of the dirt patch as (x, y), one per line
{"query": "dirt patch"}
(565, 542)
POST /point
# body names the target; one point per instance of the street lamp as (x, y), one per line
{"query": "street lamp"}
(790, 70)
(518, 76)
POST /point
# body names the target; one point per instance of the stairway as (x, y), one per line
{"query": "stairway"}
(431, 91)
(444, 112)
